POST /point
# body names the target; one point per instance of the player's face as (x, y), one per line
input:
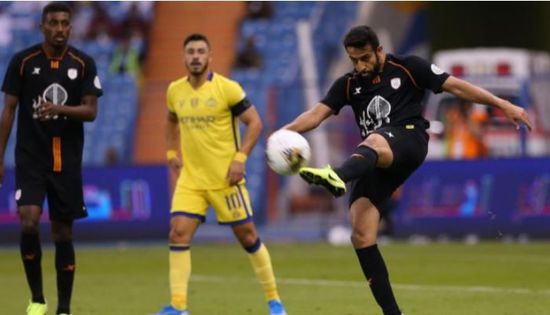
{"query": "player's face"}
(197, 57)
(56, 29)
(366, 60)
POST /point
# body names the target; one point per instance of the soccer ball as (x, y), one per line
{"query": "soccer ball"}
(287, 151)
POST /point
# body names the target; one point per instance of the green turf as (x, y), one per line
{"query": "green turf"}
(314, 279)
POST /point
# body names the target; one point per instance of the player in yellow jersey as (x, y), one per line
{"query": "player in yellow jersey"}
(205, 108)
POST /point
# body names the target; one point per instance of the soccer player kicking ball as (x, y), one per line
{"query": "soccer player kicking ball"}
(385, 93)
(204, 107)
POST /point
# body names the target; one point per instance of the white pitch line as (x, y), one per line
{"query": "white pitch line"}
(342, 283)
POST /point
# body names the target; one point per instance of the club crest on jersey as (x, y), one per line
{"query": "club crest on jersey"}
(72, 73)
(211, 102)
(395, 83)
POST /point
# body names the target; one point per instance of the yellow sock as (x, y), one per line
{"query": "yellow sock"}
(180, 272)
(261, 263)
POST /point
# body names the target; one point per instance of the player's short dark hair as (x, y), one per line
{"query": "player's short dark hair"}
(55, 7)
(196, 37)
(361, 35)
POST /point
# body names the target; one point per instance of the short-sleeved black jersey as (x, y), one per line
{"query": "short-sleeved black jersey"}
(392, 98)
(33, 76)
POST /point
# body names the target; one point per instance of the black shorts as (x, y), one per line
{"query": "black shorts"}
(63, 189)
(409, 145)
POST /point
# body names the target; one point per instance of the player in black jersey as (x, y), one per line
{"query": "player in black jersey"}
(56, 88)
(385, 93)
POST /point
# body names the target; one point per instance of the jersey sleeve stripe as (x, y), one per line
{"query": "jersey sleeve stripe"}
(26, 59)
(406, 71)
(75, 57)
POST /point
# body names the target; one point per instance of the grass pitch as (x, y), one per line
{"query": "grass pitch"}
(314, 279)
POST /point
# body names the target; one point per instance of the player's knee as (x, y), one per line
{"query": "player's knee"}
(29, 224)
(61, 233)
(361, 239)
(248, 240)
(179, 236)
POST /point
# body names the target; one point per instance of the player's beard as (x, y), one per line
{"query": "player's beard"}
(198, 72)
(369, 75)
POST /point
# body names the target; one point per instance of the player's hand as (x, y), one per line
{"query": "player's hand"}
(46, 111)
(175, 165)
(235, 173)
(517, 115)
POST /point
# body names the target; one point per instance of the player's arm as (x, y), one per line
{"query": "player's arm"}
(310, 119)
(171, 136)
(251, 119)
(470, 92)
(6, 123)
(86, 111)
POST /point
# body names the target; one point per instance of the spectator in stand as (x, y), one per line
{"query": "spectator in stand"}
(82, 17)
(258, 10)
(248, 57)
(101, 27)
(463, 130)
(135, 25)
(5, 27)
(126, 58)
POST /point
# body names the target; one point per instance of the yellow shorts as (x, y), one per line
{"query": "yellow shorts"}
(232, 204)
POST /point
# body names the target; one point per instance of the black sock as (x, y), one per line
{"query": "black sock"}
(361, 161)
(65, 267)
(377, 276)
(31, 254)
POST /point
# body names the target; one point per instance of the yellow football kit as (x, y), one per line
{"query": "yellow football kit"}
(210, 137)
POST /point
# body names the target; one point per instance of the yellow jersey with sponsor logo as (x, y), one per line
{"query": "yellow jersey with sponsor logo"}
(209, 128)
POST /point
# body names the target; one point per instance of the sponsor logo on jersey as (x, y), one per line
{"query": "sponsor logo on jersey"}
(375, 115)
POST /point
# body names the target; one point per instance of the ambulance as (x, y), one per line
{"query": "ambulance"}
(519, 75)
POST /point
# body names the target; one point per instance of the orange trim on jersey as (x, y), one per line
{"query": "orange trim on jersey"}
(75, 57)
(26, 59)
(54, 64)
(56, 150)
(406, 71)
